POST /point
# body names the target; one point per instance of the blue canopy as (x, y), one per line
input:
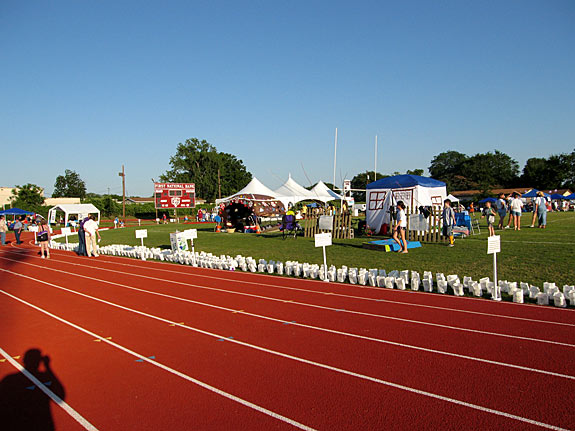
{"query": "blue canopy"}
(570, 197)
(492, 200)
(557, 196)
(15, 211)
(530, 194)
(401, 181)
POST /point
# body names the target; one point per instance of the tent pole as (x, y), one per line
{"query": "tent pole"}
(334, 156)
(375, 161)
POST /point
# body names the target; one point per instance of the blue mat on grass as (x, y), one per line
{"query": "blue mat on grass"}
(391, 245)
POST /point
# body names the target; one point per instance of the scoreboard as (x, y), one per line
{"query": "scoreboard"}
(175, 195)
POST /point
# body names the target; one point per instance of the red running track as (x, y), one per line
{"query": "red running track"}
(149, 345)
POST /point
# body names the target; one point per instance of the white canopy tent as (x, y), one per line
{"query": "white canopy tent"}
(323, 193)
(413, 190)
(291, 192)
(254, 187)
(79, 210)
(452, 198)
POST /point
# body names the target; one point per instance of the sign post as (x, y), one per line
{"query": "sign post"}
(35, 230)
(192, 234)
(142, 233)
(66, 231)
(323, 240)
(494, 247)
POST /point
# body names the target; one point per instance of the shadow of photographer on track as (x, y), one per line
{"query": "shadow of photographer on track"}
(23, 405)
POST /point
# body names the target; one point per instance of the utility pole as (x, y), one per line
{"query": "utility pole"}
(123, 175)
(219, 185)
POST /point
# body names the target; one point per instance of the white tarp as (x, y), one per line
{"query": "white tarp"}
(413, 190)
(79, 210)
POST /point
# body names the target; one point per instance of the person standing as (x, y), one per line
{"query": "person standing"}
(501, 210)
(489, 214)
(116, 221)
(400, 227)
(18, 226)
(91, 230)
(541, 204)
(3, 230)
(516, 209)
(44, 239)
(82, 237)
(448, 217)
(510, 200)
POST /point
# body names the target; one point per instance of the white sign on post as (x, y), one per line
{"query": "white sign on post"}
(142, 233)
(323, 240)
(66, 231)
(494, 247)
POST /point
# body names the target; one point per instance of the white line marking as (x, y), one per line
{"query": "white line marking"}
(59, 401)
(304, 304)
(162, 366)
(317, 328)
(409, 304)
(295, 358)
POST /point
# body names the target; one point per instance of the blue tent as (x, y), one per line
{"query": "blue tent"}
(530, 194)
(570, 197)
(16, 211)
(401, 181)
(492, 200)
(557, 196)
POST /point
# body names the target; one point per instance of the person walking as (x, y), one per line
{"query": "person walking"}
(43, 238)
(400, 227)
(541, 204)
(91, 230)
(501, 210)
(3, 230)
(510, 200)
(18, 226)
(516, 208)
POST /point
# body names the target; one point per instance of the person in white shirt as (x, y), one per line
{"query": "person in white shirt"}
(510, 200)
(541, 210)
(400, 227)
(91, 229)
(516, 208)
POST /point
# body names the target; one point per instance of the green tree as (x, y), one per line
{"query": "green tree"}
(69, 185)
(27, 197)
(537, 173)
(418, 172)
(447, 166)
(491, 169)
(361, 180)
(199, 162)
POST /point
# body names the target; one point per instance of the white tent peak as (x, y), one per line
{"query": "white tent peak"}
(254, 187)
(324, 193)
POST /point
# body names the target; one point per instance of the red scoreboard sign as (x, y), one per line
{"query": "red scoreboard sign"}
(175, 195)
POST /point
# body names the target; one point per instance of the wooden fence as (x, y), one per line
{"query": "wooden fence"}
(430, 235)
(342, 227)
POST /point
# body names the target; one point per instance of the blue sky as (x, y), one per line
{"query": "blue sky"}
(91, 85)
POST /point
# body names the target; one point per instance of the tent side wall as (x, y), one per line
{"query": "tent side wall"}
(380, 200)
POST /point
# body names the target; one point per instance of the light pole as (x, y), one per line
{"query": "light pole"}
(123, 175)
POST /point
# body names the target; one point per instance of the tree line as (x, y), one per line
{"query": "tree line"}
(217, 173)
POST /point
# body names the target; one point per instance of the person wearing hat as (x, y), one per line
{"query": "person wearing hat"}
(541, 210)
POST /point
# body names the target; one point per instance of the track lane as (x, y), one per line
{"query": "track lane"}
(157, 304)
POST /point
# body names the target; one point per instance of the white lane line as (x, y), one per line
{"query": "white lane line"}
(409, 304)
(321, 307)
(317, 328)
(160, 365)
(273, 352)
(59, 401)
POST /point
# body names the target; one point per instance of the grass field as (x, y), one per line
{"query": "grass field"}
(529, 255)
